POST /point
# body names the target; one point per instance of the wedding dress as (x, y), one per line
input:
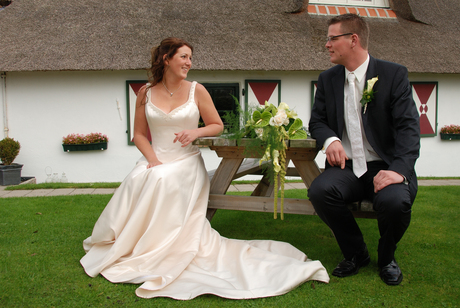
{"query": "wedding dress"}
(154, 230)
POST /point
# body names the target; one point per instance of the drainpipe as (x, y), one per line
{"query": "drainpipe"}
(4, 105)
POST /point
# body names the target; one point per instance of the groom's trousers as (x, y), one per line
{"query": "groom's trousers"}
(333, 189)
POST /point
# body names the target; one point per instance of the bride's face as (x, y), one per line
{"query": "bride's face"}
(181, 62)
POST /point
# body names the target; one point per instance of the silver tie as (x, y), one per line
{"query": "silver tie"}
(354, 130)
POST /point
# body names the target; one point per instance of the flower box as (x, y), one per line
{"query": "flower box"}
(450, 132)
(450, 136)
(85, 147)
(89, 142)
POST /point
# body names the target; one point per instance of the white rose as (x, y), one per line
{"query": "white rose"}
(279, 119)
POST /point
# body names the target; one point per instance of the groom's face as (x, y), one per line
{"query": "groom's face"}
(338, 46)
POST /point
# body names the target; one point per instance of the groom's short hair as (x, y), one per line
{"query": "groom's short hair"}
(354, 24)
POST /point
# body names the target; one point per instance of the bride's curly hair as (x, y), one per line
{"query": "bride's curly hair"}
(168, 47)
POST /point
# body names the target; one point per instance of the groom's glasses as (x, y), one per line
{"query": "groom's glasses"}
(335, 37)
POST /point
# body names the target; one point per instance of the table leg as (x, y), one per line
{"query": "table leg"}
(265, 187)
(307, 169)
(223, 178)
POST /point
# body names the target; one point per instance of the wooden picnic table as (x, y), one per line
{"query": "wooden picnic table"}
(236, 163)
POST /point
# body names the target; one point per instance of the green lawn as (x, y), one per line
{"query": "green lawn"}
(116, 184)
(63, 185)
(41, 245)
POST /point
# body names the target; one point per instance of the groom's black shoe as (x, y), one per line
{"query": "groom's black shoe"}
(351, 267)
(391, 274)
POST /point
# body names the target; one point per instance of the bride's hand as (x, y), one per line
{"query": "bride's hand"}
(152, 164)
(186, 137)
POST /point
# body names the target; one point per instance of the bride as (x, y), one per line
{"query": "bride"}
(154, 230)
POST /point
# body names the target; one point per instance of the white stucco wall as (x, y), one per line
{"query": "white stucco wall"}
(439, 157)
(2, 99)
(45, 106)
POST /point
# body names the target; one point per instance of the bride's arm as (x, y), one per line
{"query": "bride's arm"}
(213, 123)
(208, 112)
(141, 128)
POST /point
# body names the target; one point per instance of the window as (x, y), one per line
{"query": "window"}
(221, 94)
(373, 3)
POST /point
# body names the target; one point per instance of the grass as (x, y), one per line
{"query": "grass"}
(116, 184)
(300, 181)
(41, 245)
(438, 178)
(63, 185)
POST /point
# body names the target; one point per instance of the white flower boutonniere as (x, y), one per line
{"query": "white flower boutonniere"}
(368, 93)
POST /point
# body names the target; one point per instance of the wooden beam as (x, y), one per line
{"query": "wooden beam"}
(265, 204)
(260, 204)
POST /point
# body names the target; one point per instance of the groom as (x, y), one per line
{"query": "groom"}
(370, 134)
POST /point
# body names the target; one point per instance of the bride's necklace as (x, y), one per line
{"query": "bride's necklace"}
(171, 93)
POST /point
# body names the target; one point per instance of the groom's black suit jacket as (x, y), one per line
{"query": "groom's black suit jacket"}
(391, 121)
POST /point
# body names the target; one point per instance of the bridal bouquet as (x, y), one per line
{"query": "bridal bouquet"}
(271, 127)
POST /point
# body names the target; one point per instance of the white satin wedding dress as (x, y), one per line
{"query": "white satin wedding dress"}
(154, 230)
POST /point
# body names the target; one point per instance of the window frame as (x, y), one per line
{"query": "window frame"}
(235, 86)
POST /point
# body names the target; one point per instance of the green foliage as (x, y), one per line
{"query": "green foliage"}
(234, 120)
(9, 149)
(297, 131)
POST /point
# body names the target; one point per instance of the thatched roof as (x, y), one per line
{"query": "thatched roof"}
(227, 35)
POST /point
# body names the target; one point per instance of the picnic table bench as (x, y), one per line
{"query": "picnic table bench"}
(236, 163)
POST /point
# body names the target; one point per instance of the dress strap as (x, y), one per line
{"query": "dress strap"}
(147, 93)
(191, 95)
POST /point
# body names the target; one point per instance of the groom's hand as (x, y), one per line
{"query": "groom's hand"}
(385, 178)
(335, 154)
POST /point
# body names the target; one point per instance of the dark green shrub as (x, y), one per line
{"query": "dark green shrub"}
(9, 149)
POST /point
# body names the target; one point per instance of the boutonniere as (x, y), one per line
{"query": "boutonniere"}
(368, 93)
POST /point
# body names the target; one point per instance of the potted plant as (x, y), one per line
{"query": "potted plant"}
(450, 132)
(80, 142)
(10, 173)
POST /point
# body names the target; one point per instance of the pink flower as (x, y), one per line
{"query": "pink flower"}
(84, 139)
(450, 129)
